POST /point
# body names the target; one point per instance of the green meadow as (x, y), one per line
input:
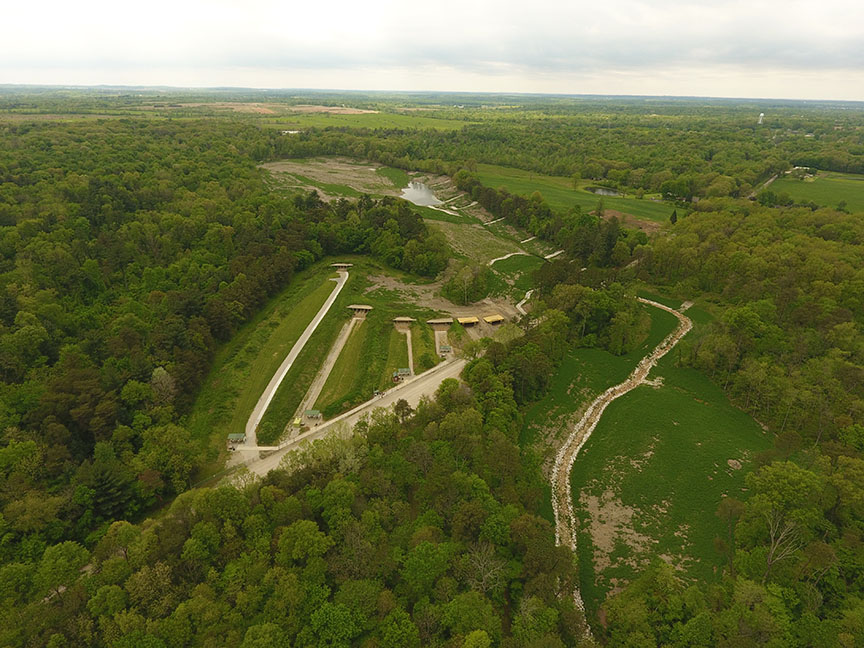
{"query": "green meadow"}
(561, 195)
(658, 464)
(828, 189)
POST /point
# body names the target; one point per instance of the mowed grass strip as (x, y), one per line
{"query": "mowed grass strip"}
(658, 463)
(423, 347)
(346, 370)
(827, 188)
(397, 358)
(561, 195)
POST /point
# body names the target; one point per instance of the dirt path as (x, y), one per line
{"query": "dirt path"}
(764, 185)
(324, 372)
(410, 350)
(507, 256)
(562, 498)
(276, 380)
(519, 306)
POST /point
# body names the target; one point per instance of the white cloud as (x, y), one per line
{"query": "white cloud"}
(723, 47)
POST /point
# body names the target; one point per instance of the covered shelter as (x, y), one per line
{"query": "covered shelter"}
(341, 266)
(360, 310)
(468, 321)
(312, 414)
(235, 439)
(493, 319)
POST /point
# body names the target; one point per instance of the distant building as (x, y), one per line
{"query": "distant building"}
(493, 319)
(468, 321)
(235, 439)
(312, 414)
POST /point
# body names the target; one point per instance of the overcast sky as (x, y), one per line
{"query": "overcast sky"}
(722, 48)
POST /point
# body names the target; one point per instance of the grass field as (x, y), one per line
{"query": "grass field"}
(243, 367)
(650, 478)
(397, 358)
(513, 276)
(827, 188)
(423, 347)
(345, 369)
(397, 176)
(473, 241)
(561, 195)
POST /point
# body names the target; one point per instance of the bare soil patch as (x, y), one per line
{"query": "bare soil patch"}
(626, 220)
(239, 107)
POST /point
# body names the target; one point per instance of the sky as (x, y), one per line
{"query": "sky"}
(719, 48)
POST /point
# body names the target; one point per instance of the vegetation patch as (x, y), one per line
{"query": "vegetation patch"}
(423, 347)
(561, 194)
(828, 189)
(650, 478)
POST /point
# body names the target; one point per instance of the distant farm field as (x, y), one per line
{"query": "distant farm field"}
(365, 120)
(561, 196)
(827, 189)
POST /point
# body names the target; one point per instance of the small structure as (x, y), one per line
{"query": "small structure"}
(404, 320)
(445, 349)
(468, 321)
(341, 266)
(441, 321)
(235, 439)
(313, 414)
(298, 422)
(360, 310)
(401, 374)
(493, 319)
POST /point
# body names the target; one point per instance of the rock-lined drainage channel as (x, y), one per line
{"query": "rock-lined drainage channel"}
(562, 498)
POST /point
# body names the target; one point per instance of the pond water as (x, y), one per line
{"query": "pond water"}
(419, 194)
(603, 191)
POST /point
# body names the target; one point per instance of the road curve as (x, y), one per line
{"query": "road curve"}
(276, 380)
(411, 390)
(562, 498)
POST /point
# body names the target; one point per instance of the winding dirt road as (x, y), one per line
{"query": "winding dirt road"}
(562, 498)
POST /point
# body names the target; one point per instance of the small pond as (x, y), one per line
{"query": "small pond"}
(419, 194)
(603, 191)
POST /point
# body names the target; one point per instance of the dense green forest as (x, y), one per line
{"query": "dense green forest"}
(133, 244)
(129, 250)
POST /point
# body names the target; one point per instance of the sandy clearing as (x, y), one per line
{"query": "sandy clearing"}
(562, 497)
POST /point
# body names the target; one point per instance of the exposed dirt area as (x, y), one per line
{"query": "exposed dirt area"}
(238, 107)
(611, 523)
(626, 220)
(428, 295)
(360, 176)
